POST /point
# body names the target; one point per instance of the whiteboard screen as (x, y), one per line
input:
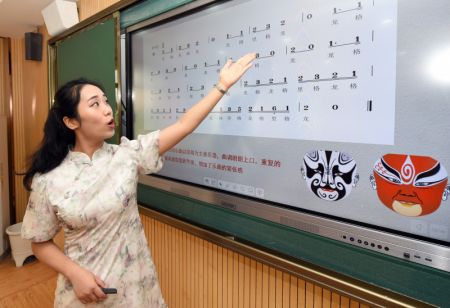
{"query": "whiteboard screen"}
(345, 111)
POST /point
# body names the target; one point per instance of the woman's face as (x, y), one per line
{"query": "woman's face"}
(97, 121)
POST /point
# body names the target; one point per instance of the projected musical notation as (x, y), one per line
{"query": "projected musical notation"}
(227, 110)
(270, 82)
(217, 63)
(161, 111)
(256, 30)
(232, 36)
(172, 91)
(333, 78)
(315, 67)
(295, 50)
(273, 109)
(253, 109)
(180, 110)
(335, 44)
(167, 52)
(192, 67)
(340, 10)
(196, 89)
(269, 55)
(187, 46)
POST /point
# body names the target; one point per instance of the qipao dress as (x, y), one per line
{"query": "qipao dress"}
(94, 201)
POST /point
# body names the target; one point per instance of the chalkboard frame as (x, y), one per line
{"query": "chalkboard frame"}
(91, 52)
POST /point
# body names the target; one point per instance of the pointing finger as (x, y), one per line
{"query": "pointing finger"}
(228, 64)
(247, 59)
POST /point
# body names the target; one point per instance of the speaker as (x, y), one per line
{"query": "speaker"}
(33, 46)
(60, 15)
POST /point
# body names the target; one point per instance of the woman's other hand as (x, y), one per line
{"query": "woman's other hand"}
(233, 71)
(87, 286)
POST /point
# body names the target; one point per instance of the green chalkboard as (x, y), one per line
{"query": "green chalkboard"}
(90, 53)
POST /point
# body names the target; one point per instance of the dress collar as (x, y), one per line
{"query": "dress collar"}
(80, 157)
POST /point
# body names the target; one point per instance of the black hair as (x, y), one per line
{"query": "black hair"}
(57, 136)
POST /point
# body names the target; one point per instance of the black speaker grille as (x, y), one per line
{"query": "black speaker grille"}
(33, 46)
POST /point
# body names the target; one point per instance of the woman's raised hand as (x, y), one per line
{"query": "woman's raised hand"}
(233, 71)
(230, 73)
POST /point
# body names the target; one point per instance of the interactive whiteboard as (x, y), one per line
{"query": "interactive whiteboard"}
(344, 113)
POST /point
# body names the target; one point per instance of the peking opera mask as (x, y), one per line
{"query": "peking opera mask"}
(410, 185)
(330, 175)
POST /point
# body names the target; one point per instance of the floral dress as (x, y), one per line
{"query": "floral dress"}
(95, 202)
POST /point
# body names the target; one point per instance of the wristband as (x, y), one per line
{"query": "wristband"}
(220, 89)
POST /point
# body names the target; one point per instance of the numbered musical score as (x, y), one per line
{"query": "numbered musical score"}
(324, 70)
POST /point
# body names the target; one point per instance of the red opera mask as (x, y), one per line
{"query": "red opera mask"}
(410, 185)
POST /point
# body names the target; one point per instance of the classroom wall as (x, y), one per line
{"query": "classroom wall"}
(4, 158)
(4, 77)
(5, 95)
(87, 8)
(29, 94)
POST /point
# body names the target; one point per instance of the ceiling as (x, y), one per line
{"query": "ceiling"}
(20, 16)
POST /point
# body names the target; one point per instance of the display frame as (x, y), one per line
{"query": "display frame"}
(413, 248)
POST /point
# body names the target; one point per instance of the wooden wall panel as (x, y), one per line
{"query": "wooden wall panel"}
(18, 124)
(29, 111)
(5, 96)
(87, 8)
(4, 77)
(197, 273)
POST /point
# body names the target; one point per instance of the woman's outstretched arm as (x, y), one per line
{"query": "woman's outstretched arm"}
(230, 73)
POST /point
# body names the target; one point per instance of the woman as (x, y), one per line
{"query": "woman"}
(88, 187)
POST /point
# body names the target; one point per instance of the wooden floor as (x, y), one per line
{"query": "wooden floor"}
(32, 285)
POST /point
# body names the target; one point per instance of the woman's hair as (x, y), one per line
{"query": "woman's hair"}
(57, 136)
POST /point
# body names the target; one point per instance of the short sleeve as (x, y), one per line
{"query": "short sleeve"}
(40, 222)
(146, 150)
